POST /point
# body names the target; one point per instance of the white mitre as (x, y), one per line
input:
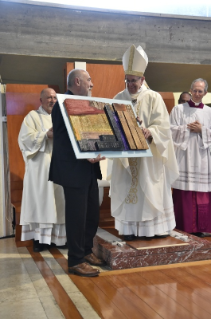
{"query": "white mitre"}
(135, 61)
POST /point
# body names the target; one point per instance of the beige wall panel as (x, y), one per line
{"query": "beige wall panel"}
(62, 32)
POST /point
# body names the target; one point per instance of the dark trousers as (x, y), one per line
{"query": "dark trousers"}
(82, 219)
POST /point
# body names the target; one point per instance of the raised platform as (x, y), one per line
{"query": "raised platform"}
(144, 251)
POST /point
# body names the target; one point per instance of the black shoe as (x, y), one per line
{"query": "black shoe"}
(129, 237)
(198, 234)
(163, 235)
(37, 247)
(59, 247)
(62, 246)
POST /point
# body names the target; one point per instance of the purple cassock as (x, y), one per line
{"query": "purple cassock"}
(192, 211)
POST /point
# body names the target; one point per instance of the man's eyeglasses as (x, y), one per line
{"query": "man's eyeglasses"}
(131, 81)
(198, 91)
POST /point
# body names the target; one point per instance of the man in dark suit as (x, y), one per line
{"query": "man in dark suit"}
(79, 180)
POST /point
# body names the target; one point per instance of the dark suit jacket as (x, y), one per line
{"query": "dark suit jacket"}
(65, 168)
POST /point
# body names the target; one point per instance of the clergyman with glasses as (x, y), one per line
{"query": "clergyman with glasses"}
(141, 199)
(191, 132)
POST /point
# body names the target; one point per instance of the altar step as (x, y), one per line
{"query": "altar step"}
(144, 251)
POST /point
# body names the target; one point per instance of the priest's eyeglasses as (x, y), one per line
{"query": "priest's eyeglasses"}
(198, 91)
(131, 81)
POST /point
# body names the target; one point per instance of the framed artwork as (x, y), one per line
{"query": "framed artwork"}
(102, 126)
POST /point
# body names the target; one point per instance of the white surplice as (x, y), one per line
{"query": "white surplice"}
(192, 149)
(141, 199)
(43, 204)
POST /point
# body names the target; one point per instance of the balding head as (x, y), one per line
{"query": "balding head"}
(79, 82)
(198, 89)
(48, 99)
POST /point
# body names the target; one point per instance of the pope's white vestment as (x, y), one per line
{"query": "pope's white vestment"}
(141, 199)
(43, 205)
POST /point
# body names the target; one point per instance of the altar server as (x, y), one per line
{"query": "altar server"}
(191, 131)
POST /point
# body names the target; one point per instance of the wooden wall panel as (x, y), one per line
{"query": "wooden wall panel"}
(21, 103)
(108, 79)
(168, 98)
(106, 220)
(16, 161)
(17, 185)
(30, 88)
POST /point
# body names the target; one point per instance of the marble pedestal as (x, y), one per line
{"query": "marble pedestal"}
(144, 252)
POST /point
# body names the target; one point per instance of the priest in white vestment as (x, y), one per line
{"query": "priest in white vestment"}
(191, 132)
(43, 205)
(141, 199)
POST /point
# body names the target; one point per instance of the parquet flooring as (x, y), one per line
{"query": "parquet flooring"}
(171, 291)
(182, 291)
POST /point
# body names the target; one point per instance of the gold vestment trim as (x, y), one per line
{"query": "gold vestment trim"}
(131, 72)
(130, 63)
(132, 197)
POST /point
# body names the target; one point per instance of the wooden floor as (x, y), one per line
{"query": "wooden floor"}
(162, 293)
(173, 291)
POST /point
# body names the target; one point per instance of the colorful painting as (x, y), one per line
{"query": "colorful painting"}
(104, 126)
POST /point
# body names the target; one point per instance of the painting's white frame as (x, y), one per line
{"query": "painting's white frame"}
(107, 154)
